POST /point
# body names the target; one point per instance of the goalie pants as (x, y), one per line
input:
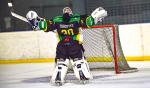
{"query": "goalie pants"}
(72, 50)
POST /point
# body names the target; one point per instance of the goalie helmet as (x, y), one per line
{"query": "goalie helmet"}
(67, 10)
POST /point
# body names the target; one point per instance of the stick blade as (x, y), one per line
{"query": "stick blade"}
(19, 17)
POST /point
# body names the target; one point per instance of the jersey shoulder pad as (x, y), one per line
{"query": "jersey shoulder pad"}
(57, 19)
(75, 17)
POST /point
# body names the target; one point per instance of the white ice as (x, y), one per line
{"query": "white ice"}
(37, 75)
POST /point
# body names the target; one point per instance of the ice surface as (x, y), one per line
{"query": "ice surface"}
(37, 75)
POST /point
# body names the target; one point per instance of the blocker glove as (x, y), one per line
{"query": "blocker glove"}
(33, 19)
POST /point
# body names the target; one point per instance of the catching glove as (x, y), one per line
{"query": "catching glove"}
(98, 14)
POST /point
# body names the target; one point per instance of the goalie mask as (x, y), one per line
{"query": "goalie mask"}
(66, 14)
(67, 10)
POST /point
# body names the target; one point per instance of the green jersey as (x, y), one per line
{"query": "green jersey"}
(70, 30)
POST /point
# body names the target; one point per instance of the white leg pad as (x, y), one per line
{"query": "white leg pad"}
(81, 65)
(60, 71)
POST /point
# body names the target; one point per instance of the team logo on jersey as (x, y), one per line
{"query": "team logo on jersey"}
(66, 26)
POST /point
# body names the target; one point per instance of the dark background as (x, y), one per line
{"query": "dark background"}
(119, 11)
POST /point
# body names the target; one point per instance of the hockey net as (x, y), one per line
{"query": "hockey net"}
(103, 48)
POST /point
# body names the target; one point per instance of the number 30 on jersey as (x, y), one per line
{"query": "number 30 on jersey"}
(67, 32)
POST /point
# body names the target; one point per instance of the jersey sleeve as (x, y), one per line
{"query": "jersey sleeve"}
(86, 21)
(50, 25)
(46, 25)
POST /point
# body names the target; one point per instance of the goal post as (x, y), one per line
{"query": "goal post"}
(103, 48)
(112, 28)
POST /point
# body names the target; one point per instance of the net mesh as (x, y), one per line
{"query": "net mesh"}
(99, 43)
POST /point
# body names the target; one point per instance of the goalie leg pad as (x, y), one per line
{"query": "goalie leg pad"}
(81, 69)
(60, 71)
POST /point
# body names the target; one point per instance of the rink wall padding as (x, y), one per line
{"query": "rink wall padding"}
(27, 45)
(38, 46)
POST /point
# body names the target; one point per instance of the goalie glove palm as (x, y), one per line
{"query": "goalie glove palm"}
(98, 14)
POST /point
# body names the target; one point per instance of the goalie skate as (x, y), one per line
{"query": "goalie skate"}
(83, 79)
(58, 83)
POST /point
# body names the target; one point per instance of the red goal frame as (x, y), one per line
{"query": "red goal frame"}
(114, 44)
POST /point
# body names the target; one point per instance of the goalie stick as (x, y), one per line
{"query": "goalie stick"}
(10, 5)
(19, 17)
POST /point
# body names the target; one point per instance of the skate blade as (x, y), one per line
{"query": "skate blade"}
(58, 83)
(84, 81)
